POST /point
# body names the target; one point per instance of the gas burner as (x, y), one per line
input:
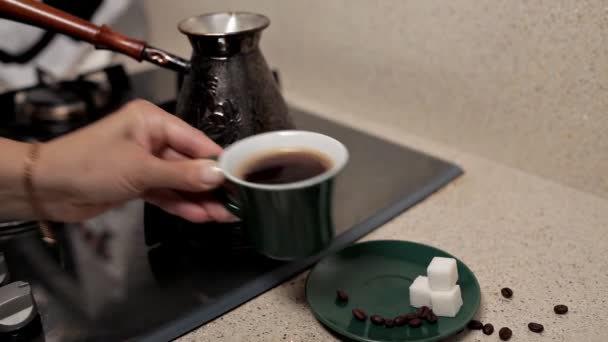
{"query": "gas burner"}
(60, 102)
(54, 107)
(9, 230)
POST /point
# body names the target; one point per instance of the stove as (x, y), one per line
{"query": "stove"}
(191, 274)
(55, 107)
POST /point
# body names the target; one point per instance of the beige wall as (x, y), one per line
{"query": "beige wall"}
(521, 82)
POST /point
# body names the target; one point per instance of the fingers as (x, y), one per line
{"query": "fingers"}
(171, 154)
(218, 212)
(215, 209)
(193, 207)
(173, 203)
(186, 175)
(179, 135)
(188, 140)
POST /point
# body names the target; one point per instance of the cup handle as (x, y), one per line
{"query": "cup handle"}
(223, 196)
(232, 205)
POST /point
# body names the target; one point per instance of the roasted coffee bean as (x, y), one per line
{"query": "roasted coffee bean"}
(415, 323)
(377, 319)
(400, 321)
(431, 318)
(488, 329)
(536, 327)
(360, 314)
(342, 295)
(475, 325)
(422, 311)
(560, 309)
(505, 334)
(389, 323)
(506, 292)
(410, 316)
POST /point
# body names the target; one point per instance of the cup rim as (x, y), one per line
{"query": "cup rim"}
(336, 168)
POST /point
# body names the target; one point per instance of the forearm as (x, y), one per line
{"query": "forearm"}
(13, 199)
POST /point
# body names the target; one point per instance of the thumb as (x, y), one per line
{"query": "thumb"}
(190, 175)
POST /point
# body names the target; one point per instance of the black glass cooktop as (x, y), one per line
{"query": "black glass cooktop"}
(198, 273)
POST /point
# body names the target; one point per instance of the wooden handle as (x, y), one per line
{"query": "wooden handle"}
(38, 14)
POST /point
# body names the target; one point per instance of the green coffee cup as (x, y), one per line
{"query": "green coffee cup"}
(290, 220)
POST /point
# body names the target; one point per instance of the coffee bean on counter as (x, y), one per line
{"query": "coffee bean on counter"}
(342, 295)
(359, 314)
(431, 318)
(505, 334)
(377, 319)
(400, 321)
(422, 311)
(389, 323)
(560, 309)
(536, 327)
(475, 325)
(506, 292)
(488, 329)
(415, 323)
(410, 316)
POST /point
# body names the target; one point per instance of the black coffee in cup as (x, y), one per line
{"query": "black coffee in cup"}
(285, 166)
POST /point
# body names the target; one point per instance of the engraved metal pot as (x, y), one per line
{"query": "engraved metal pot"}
(229, 91)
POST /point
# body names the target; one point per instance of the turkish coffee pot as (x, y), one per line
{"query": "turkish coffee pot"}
(228, 90)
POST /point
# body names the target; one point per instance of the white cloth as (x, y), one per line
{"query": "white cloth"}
(63, 57)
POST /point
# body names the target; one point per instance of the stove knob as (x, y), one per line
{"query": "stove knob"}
(18, 313)
(4, 277)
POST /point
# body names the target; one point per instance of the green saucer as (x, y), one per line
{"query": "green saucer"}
(377, 275)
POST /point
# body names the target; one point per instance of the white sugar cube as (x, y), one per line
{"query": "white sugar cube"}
(442, 273)
(420, 292)
(446, 303)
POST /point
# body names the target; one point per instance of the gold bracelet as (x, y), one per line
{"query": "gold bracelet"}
(28, 183)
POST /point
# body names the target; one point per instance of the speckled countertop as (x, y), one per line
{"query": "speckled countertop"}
(546, 241)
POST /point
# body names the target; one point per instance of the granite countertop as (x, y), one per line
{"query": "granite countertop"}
(546, 241)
